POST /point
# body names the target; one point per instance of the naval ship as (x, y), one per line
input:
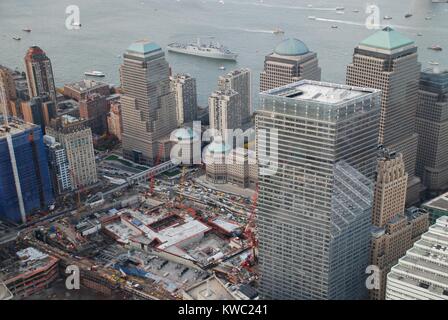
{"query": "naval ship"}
(211, 50)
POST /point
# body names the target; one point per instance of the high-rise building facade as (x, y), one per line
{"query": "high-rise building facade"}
(95, 108)
(148, 104)
(224, 110)
(388, 61)
(25, 184)
(315, 199)
(184, 86)
(39, 74)
(291, 61)
(59, 166)
(39, 110)
(76, 138)
(394, 230)
(8, 94)
(432, 129)
(422, 274)
(114, 120)
(81, 89)
(240, 81)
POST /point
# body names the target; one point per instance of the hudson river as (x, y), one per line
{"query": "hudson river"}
(245, 26)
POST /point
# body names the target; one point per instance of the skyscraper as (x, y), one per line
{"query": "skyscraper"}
(39, 74)
(422, 274)
(314, 209)
(224, 110)
(432, 128)
(76, 138)
(25, 184)
(240, 81)
(148, 105)
(291, 61)
(39, 110)
(59, 166)
(394, 231)
(388, 61)
(8, 94)
(184, 86)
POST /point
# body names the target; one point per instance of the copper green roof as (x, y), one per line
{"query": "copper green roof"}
(388, 39)
(291, 47)
(144, 46)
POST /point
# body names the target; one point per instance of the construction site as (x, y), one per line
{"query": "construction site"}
(157, 238)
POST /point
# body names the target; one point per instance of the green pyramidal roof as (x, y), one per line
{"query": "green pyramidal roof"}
(144, 46)
(388, 39)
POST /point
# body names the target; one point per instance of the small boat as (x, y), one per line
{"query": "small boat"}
(387, 18)
(278, 31)
(94, 74)
(312, 17)
(222, 68)
(334, 26)
(435, 47)
(340, 8)
(419, 34)
(408, 15)
(17, 38)
(428, 18)
(76, 24)
(433, 63)
(356, 11)
(26, 30)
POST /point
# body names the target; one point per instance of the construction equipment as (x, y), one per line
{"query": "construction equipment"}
(152, 175)
(249, 233)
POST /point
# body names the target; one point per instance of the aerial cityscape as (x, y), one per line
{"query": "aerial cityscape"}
(224, 150)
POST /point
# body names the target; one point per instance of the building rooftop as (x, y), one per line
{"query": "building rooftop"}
(209, 289)
(15, 126)
(291, 47)
(321, 92)
(5, 294)
(387, 39)
(425, 265)
(85, 85)
(218, 147)
(144, 47)
(26, 262)
(186, 133)
(441, 202)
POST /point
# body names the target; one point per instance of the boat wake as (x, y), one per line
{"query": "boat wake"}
(253, 30)
(280, 6)
(354, 23)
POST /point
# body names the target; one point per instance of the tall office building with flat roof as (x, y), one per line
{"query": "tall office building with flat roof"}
(290, 62)
(314, 209)
(240, 81)
(224, 110)
(25, 184)
(39, 74)
(388, 61)
(76, 138)
(432, 128)
(184, 87)
(148, 104)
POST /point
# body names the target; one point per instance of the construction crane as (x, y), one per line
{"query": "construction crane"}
(152, 175)
(181, 183)
(249, 232)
